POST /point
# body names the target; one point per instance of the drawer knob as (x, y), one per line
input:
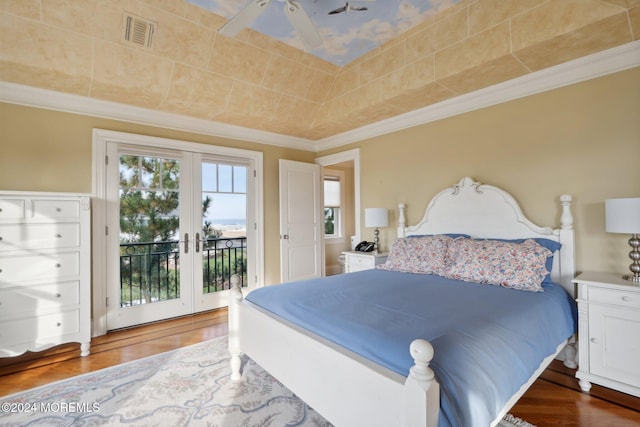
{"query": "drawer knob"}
(58, 295)
(59, 324)
(0, 238)
(58, 236)
(594, 340)
(58, 210)
(58, 265)
(626, 299)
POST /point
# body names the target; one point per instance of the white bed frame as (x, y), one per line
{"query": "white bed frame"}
(349, 390)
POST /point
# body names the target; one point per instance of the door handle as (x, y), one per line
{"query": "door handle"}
(285, 237)
(197, 242)
(186, 243)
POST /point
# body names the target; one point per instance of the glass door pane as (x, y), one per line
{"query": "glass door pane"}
(149, 229)
(223, 230)
(150, 254)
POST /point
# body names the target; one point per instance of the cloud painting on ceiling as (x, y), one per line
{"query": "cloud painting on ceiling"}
(347, 30)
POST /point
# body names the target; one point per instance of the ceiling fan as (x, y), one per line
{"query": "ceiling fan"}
(347, 7)
(299, 19)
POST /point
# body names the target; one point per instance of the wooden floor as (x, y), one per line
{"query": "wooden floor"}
(553, 400)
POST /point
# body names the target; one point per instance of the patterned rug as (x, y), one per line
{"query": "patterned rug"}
(185, 387)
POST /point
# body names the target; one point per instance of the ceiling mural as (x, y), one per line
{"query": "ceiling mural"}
(347, 30)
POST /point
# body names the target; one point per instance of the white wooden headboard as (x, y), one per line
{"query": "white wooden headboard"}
(485, 211)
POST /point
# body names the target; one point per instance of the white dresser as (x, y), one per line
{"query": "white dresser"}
(358, 261)
(608, 332)
(45, 271)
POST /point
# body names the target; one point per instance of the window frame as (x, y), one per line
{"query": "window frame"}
(337, 175)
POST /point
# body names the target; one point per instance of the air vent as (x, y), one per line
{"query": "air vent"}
(139, 31)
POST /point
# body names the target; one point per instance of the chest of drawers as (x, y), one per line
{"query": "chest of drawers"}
(45, 270)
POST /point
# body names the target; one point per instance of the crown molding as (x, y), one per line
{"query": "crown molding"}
(48, 99)
(589, 67)
(600, 64)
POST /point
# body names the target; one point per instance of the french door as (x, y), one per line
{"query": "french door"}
(177, 231)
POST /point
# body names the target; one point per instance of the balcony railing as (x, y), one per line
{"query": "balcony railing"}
(150, 272)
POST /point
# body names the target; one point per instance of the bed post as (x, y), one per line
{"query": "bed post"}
(421, 391)
(401, 219)
(567, 258)
(235, 298)
(568, 269)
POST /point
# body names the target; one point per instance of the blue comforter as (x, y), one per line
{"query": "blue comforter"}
(488, 340)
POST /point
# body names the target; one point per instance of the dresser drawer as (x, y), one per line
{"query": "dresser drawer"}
(15, 237)
(47, 266)
(40, 330)
(31, 299)
(614, 296)
(12, 209)
(55, 209)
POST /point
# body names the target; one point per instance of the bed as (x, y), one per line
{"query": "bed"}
(423, 341)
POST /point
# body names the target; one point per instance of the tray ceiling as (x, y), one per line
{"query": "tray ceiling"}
(346, 35)
(257, 82)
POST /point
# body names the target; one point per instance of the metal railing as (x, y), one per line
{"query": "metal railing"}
(150, 272)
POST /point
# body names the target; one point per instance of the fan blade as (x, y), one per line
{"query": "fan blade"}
(305, 29)
(244, 18)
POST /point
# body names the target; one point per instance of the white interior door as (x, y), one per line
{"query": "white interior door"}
(301, 221)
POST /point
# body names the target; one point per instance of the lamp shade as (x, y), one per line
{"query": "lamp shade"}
(622, 215)
(376, 217)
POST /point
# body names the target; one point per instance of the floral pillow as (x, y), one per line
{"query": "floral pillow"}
(513, 265)
(424, 254)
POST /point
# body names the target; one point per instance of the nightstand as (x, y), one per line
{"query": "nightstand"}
(608, 332)
(358, 261)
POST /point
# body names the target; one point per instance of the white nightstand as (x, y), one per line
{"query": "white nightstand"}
(608, 332)
(358, 261)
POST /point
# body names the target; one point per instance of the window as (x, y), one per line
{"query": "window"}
(224, 200)
(332, 204)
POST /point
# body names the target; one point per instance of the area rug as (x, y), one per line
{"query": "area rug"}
(185, 387)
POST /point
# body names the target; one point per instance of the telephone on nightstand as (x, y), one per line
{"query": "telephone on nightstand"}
(364, 246)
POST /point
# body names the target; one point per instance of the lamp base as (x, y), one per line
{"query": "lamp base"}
(634, 242)
(632, 278)
(376, 240)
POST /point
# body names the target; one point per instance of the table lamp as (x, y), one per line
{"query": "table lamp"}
(374, 218)
(623, 216)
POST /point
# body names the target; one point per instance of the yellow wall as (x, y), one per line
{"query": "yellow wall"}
(582, 140)
(42, 150)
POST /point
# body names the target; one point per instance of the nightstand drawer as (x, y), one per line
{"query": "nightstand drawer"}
(611, 296)
(358, 261)
(361, 260)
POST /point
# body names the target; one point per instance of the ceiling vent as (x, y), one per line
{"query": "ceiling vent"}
(139, 31)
